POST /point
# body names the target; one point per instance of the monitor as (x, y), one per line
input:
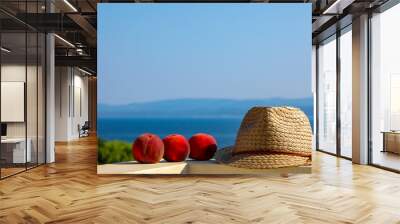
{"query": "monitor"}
(3, 129)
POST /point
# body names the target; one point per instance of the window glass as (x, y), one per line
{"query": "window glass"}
(327, 95)
(385, 88)
(346, 93)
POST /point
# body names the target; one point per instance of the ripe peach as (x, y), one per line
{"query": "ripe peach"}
(202, 146)
(148, 148)
(176, 148)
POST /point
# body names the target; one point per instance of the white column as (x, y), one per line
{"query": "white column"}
(50, 92)
(50, 99)
(360, 90)
(63, 85)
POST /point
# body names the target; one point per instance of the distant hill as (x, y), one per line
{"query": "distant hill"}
(198, 107)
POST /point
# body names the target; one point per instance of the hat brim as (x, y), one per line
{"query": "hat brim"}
(259, 160)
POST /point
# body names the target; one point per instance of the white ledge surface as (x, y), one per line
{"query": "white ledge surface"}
(192, 167)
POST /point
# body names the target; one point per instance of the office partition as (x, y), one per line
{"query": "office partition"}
(22, 77)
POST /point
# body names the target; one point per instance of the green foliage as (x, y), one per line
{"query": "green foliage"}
(113, 151)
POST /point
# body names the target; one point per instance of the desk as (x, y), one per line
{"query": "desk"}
(391, 141)
(13, 150)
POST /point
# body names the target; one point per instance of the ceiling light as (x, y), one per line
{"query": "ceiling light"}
(5, 50)
(84, 71)
(65, 41)
(79, 51)
(338, 6)
(70, 5)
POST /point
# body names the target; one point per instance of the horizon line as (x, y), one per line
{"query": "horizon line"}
(229, 99)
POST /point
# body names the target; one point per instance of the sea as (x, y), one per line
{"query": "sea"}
(127, 129)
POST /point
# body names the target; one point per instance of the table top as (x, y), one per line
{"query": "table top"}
(13, 140)
(391, 132)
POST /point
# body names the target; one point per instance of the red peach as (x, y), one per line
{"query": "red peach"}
(148, 148)
(176, 148)
(202, 146)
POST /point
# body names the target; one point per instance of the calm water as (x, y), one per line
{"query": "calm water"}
(223, 129)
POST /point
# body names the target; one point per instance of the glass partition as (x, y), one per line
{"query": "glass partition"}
(23, 91)
(346, 92)
(41, 109)
(385, 89)
(327, 95)
(14, 151)
(31, 99)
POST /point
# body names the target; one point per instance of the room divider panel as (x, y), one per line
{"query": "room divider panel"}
(22, 77)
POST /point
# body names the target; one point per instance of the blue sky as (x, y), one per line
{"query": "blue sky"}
(150, 52)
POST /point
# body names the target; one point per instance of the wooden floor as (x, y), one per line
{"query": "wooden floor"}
(8, 171)
(386, 159)
(69, 191)
(5, 172)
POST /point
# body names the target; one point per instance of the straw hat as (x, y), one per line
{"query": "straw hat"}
(270, 137)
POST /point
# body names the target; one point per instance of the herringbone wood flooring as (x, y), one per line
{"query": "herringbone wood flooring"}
(69, 191)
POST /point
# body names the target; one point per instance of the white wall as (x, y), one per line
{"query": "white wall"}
(62, 82)
(12, 73)
(71, 87)
(80, 115)
(33, 127)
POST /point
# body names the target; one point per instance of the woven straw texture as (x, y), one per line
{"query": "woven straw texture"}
(272, 137)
